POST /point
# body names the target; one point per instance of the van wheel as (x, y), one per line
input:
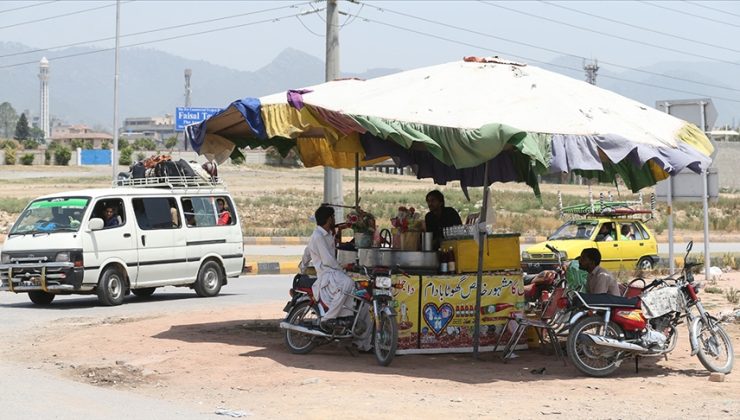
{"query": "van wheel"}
(645, 264)
(143, 292)
(111, 287)
(41, 298)
(210, 279)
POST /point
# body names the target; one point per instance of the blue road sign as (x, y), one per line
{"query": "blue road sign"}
(186, 116)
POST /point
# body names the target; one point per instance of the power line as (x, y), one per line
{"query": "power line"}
(554, 51)
(163, 39)
(62, 15)
(365, 19)
(639, 27)
(27, 7)
(660, 6)
(165, 28)
(635, 41)
(698, 4)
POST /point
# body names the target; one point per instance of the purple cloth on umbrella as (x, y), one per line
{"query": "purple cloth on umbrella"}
(295, 97)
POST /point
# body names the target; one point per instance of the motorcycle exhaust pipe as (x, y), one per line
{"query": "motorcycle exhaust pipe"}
(318, 333)
(602, 341)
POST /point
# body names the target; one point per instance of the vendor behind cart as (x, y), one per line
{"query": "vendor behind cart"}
(439, 216)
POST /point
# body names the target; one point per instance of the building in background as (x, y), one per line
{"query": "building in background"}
(155, 128)
(67, 134)
(44, 120)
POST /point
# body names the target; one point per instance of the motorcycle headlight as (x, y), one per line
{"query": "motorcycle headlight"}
(5, 258)
(62, 257)
(525, 255)
(383, 282)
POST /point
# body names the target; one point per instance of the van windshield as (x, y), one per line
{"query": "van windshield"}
(61, 214)
(581, 229)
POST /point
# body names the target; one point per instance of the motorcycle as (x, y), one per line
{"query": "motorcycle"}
(605, 330)
(302, 326)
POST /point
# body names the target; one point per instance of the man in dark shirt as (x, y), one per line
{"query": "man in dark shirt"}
(439, 216)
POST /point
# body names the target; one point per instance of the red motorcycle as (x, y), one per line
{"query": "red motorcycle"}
(605, 330)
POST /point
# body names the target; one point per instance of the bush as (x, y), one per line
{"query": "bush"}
(47, 157)
(9, 156)
(27, 159)
(140, 156)
(125, 157)
(733, 295)
(62, 155)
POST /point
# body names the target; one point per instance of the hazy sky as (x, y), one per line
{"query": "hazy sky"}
(386, 33)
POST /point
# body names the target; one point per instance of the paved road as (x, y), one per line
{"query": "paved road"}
(29, 393)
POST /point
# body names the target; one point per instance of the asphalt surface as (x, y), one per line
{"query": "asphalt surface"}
(30, 393)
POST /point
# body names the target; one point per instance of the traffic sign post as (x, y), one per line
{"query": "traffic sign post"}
(185, 116)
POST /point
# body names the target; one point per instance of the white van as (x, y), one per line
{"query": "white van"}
(137, 236)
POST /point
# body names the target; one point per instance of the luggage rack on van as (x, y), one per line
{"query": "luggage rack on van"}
(171, 182)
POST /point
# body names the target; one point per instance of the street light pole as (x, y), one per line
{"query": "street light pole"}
(333, 177)
(114, 152)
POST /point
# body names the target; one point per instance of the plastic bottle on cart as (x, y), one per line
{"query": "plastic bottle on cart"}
(442, 262)
(451, 264)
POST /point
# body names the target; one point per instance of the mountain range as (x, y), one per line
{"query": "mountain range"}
(152, 82)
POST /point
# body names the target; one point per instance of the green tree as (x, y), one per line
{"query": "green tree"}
(37, 134)
(105, 145)
(145, 144)
(22, 131)
(88, 145)
(30, 144)
(62, 155)
(125, 158)
(170, 142)
(8, 118)
(77, 144)
(122, 144)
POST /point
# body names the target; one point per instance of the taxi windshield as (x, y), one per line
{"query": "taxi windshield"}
(49, 215)
(581, 229)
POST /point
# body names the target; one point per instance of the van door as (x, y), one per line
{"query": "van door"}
(116, 241)
(160, 242)
(212, 229)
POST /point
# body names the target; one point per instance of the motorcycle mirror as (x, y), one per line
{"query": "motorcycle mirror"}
(689, 246)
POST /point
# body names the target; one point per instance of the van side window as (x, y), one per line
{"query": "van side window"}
(111, 210)
(156, 213)
(208, 211)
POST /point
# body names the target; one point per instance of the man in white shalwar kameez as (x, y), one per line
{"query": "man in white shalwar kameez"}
(332, 285)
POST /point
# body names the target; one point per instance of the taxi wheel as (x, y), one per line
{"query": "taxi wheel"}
(645, 264)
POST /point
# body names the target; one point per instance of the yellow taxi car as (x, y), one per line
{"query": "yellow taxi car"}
(624, 243)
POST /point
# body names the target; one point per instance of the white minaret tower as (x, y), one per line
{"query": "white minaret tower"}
(44, 120)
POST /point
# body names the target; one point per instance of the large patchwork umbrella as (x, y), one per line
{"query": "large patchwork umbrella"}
(479, 121)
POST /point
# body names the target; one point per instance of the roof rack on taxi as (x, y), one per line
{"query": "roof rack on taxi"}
(171, 182)
(609, 207)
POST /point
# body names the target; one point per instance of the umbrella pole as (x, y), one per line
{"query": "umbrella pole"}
(482, 236)
(357, 180)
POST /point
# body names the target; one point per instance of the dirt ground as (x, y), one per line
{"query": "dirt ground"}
(235, 359)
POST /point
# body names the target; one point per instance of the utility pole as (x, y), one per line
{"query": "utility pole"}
(333, 177)
(188, 99)
(114, 152)
(591, 70)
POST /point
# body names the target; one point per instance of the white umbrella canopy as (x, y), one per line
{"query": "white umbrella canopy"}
(466, 113)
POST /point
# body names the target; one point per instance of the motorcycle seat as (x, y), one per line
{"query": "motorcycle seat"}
(303, 281)
(605, 299)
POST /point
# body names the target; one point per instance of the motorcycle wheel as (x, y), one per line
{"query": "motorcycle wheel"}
(385, 339)
(589, 358)
(715, 347)
(304, 315)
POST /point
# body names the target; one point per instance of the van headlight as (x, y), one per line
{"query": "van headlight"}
(525, 255)
(383, 282)
(62, 257)
(5, 258)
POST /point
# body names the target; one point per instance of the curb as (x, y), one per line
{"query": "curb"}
(254, 268)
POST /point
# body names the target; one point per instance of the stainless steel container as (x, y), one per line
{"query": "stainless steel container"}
(387, 257)
(427, 241)
(345, 257)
